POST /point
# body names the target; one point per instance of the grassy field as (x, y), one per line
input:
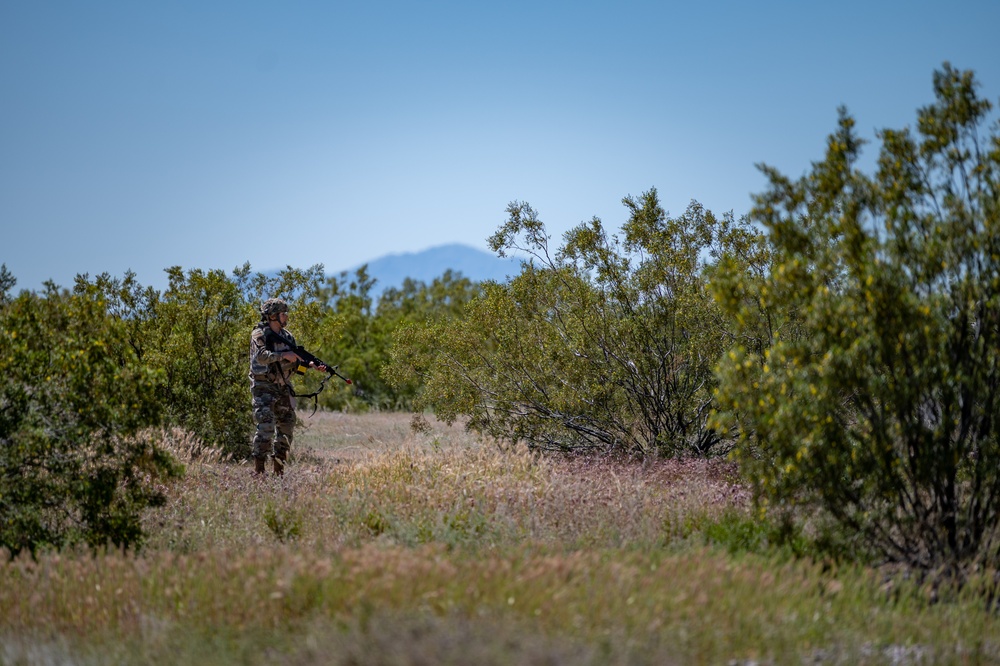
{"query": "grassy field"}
(382, 545)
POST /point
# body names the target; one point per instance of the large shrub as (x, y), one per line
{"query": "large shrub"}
(606, 344)
(879, 408)
(77, 460)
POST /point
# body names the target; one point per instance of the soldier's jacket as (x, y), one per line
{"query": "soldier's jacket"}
(266, 364)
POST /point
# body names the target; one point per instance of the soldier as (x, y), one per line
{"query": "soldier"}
(271, 364)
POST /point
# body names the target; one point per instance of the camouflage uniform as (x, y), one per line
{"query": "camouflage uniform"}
(273, 403)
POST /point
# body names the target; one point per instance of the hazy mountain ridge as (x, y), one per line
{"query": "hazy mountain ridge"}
(477, 265)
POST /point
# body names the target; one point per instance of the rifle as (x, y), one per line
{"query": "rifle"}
(308, 358)
(305, 358)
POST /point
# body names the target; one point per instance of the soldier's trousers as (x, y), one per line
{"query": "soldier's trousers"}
(274, 416)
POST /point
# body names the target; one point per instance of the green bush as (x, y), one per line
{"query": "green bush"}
(874, 401)
(356, 334)
(607, 344)
(78, 457)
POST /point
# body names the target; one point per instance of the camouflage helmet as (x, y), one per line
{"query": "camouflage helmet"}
(273, 306)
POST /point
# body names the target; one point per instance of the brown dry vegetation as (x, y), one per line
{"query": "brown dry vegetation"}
(383, 545)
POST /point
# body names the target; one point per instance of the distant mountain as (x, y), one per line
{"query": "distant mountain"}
(477, 265)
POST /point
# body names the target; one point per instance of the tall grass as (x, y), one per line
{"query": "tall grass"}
(385, 546)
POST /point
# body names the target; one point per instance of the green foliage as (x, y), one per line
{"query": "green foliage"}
(357, 335)
(354, 342)
(608, 344)
(375, 522)
(88, 373)
(284, 522)
(742, 265)
(738, 532)
(7, 283)
(77, 457)
(196, 334)
(867, 381)
(203, 350)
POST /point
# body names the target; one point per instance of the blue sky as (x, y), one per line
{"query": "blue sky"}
(144, 135)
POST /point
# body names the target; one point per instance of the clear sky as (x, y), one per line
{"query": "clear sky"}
(205, 134)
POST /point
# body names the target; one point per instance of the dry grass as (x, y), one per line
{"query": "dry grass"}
(382, 545)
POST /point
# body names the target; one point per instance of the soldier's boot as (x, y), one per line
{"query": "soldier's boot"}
(279, 464)
(259, 468)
